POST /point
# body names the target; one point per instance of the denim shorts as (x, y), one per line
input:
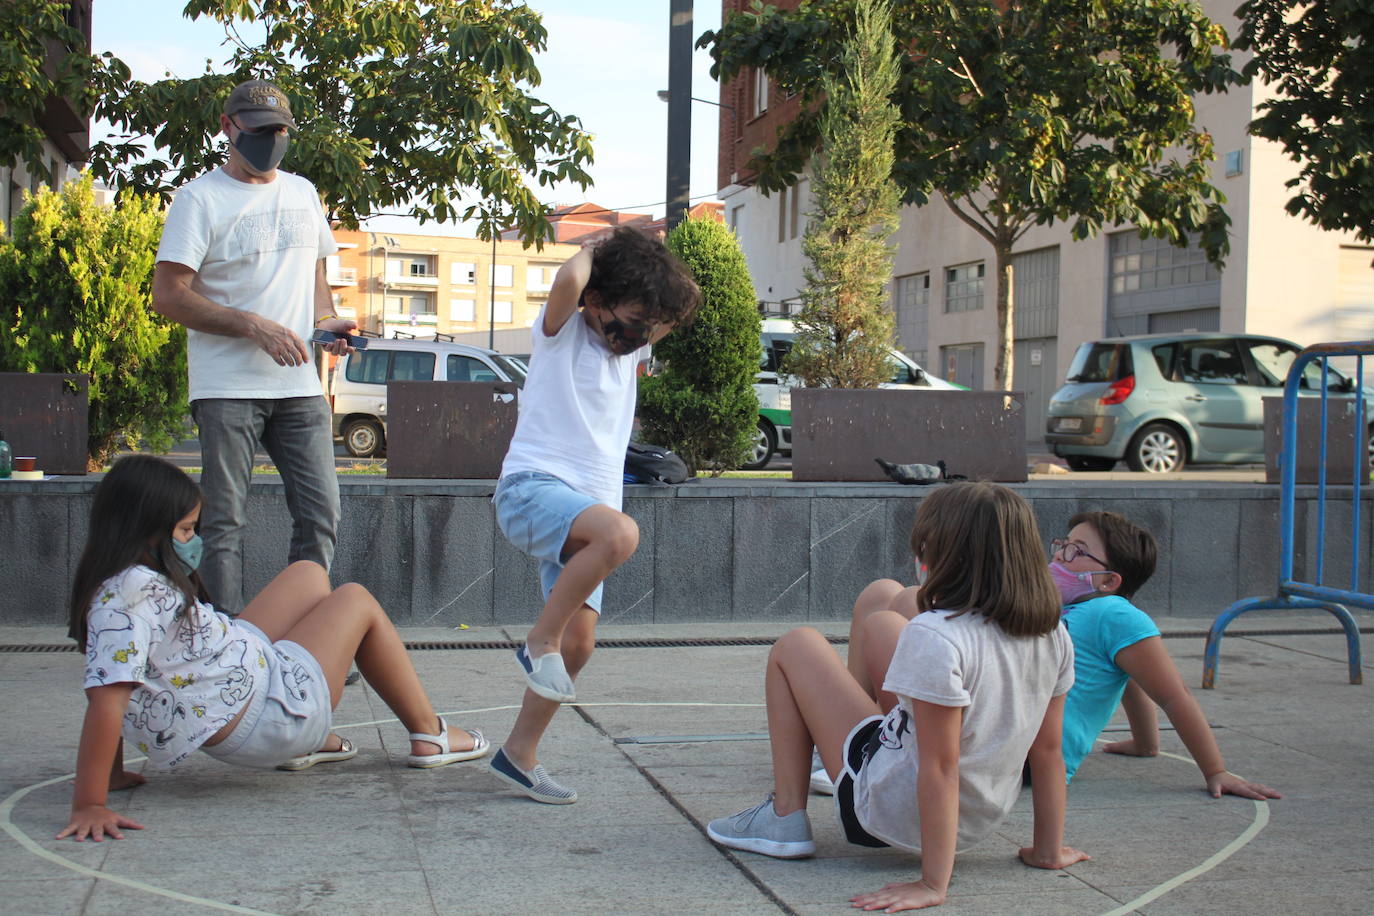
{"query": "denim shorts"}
(268, 733)
(536, 512)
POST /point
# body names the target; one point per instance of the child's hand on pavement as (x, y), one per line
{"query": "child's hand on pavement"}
(96, 821)
(896, 897)
(1065, 857)
(1227, 783)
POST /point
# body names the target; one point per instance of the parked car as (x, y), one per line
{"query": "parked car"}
(774, 390)
(1161, 401)
(358, 391)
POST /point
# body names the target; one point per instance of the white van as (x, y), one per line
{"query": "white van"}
(358, 392)
(774, 390)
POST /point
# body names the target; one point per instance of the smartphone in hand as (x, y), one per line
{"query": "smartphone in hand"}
(323, 338)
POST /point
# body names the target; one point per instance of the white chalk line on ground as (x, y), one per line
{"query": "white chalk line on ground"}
(29, 845)
(1221, 855)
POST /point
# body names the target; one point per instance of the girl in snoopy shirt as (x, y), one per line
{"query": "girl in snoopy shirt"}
(168, 672)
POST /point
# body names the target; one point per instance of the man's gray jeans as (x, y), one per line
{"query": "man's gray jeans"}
(298, 436)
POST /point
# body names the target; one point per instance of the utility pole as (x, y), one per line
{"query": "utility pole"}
(679, 111)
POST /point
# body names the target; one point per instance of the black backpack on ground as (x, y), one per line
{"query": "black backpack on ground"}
(653, 464)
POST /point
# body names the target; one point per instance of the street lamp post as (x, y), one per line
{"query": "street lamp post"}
(491, 284)
(679, 112)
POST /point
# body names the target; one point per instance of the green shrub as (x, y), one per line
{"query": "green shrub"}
(76, 281)
(702, 404)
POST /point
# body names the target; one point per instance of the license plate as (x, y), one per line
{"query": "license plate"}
(1070, 424)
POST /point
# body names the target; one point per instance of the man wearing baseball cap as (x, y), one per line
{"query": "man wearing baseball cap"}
(241, 265)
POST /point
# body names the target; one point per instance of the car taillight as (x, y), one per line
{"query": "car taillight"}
(1119, 390)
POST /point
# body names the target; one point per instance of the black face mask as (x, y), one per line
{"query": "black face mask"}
(624, 338)
(264, 151)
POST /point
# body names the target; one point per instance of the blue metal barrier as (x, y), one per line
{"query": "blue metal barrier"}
(1314, 594)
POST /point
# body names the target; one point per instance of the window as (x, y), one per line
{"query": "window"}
(760, 91)
(1100, 362)
(502, 312)
(736, 217)
(368, 366)
(539, 277)
(1164, 359)
(782, 214)
(964, 288)
(796, 207)
(462, 273)
(913, 314)
(463, 309)
(1235, 163)
(1212, 362)
(412, 366)
(503, 275)
(468, 369)
(419, 269)
(1150, 264)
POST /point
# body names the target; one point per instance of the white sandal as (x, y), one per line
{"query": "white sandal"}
(346, 751)
(481, 747)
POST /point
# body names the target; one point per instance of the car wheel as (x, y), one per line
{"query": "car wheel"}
(1157, 449)
(1089, 463)
(363, 438)
(765, 443)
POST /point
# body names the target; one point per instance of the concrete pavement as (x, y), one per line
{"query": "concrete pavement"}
(666, 738)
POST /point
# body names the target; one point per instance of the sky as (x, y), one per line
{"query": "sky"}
(605, 61)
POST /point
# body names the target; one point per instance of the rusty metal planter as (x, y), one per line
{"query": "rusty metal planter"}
(455, 430)
(46, 415)
(837, 432)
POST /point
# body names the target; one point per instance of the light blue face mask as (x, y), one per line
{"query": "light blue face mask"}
(189, 552)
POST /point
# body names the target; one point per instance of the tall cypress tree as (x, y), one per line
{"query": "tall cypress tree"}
(844, 331)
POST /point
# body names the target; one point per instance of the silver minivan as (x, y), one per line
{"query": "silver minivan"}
(358, 391)
(1160, 401)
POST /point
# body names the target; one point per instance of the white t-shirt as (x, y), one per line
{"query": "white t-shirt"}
(1004, 684)
(576, 411)
(255, 248)
(195, 671)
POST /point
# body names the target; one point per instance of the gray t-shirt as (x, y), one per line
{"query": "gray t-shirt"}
(1004, 684)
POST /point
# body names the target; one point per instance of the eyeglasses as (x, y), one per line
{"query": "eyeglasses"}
(1068, 551)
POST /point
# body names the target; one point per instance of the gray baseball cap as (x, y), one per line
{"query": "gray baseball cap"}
(258, 103)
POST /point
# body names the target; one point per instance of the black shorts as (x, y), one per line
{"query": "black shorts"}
(856, 751)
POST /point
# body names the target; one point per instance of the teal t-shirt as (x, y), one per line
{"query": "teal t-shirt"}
(1099, 628)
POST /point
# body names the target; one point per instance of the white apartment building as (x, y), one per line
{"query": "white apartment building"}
(1283, 276)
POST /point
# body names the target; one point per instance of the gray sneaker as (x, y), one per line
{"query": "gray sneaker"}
(759, 829)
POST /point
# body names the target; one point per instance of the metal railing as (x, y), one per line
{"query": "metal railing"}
(1292, 592)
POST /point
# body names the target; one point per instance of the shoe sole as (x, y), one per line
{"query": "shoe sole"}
(545, 692)
(312, 759)
(774, 848)
(442, 760)
(530, 793)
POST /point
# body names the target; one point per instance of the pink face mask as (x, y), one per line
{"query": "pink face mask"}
(1073, 586)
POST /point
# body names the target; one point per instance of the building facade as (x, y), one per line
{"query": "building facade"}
(1283, 276)
(66, 130)
(420, 285)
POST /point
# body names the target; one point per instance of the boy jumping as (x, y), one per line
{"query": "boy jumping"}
(559, 495)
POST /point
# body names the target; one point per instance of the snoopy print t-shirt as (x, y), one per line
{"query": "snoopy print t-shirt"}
(1003, 685)
(194, 670)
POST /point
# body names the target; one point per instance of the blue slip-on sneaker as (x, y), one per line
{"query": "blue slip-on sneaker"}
(536, 783)
(546, 675)
(759, 829)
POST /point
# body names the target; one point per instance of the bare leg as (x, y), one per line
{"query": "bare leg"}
(881, 629)
(882, 595)
(288, 598)
(536, 712)
(812, 700)
(601, 539)
(350, 624)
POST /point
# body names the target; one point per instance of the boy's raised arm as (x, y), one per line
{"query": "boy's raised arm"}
(1149, 665)
(566, 291)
